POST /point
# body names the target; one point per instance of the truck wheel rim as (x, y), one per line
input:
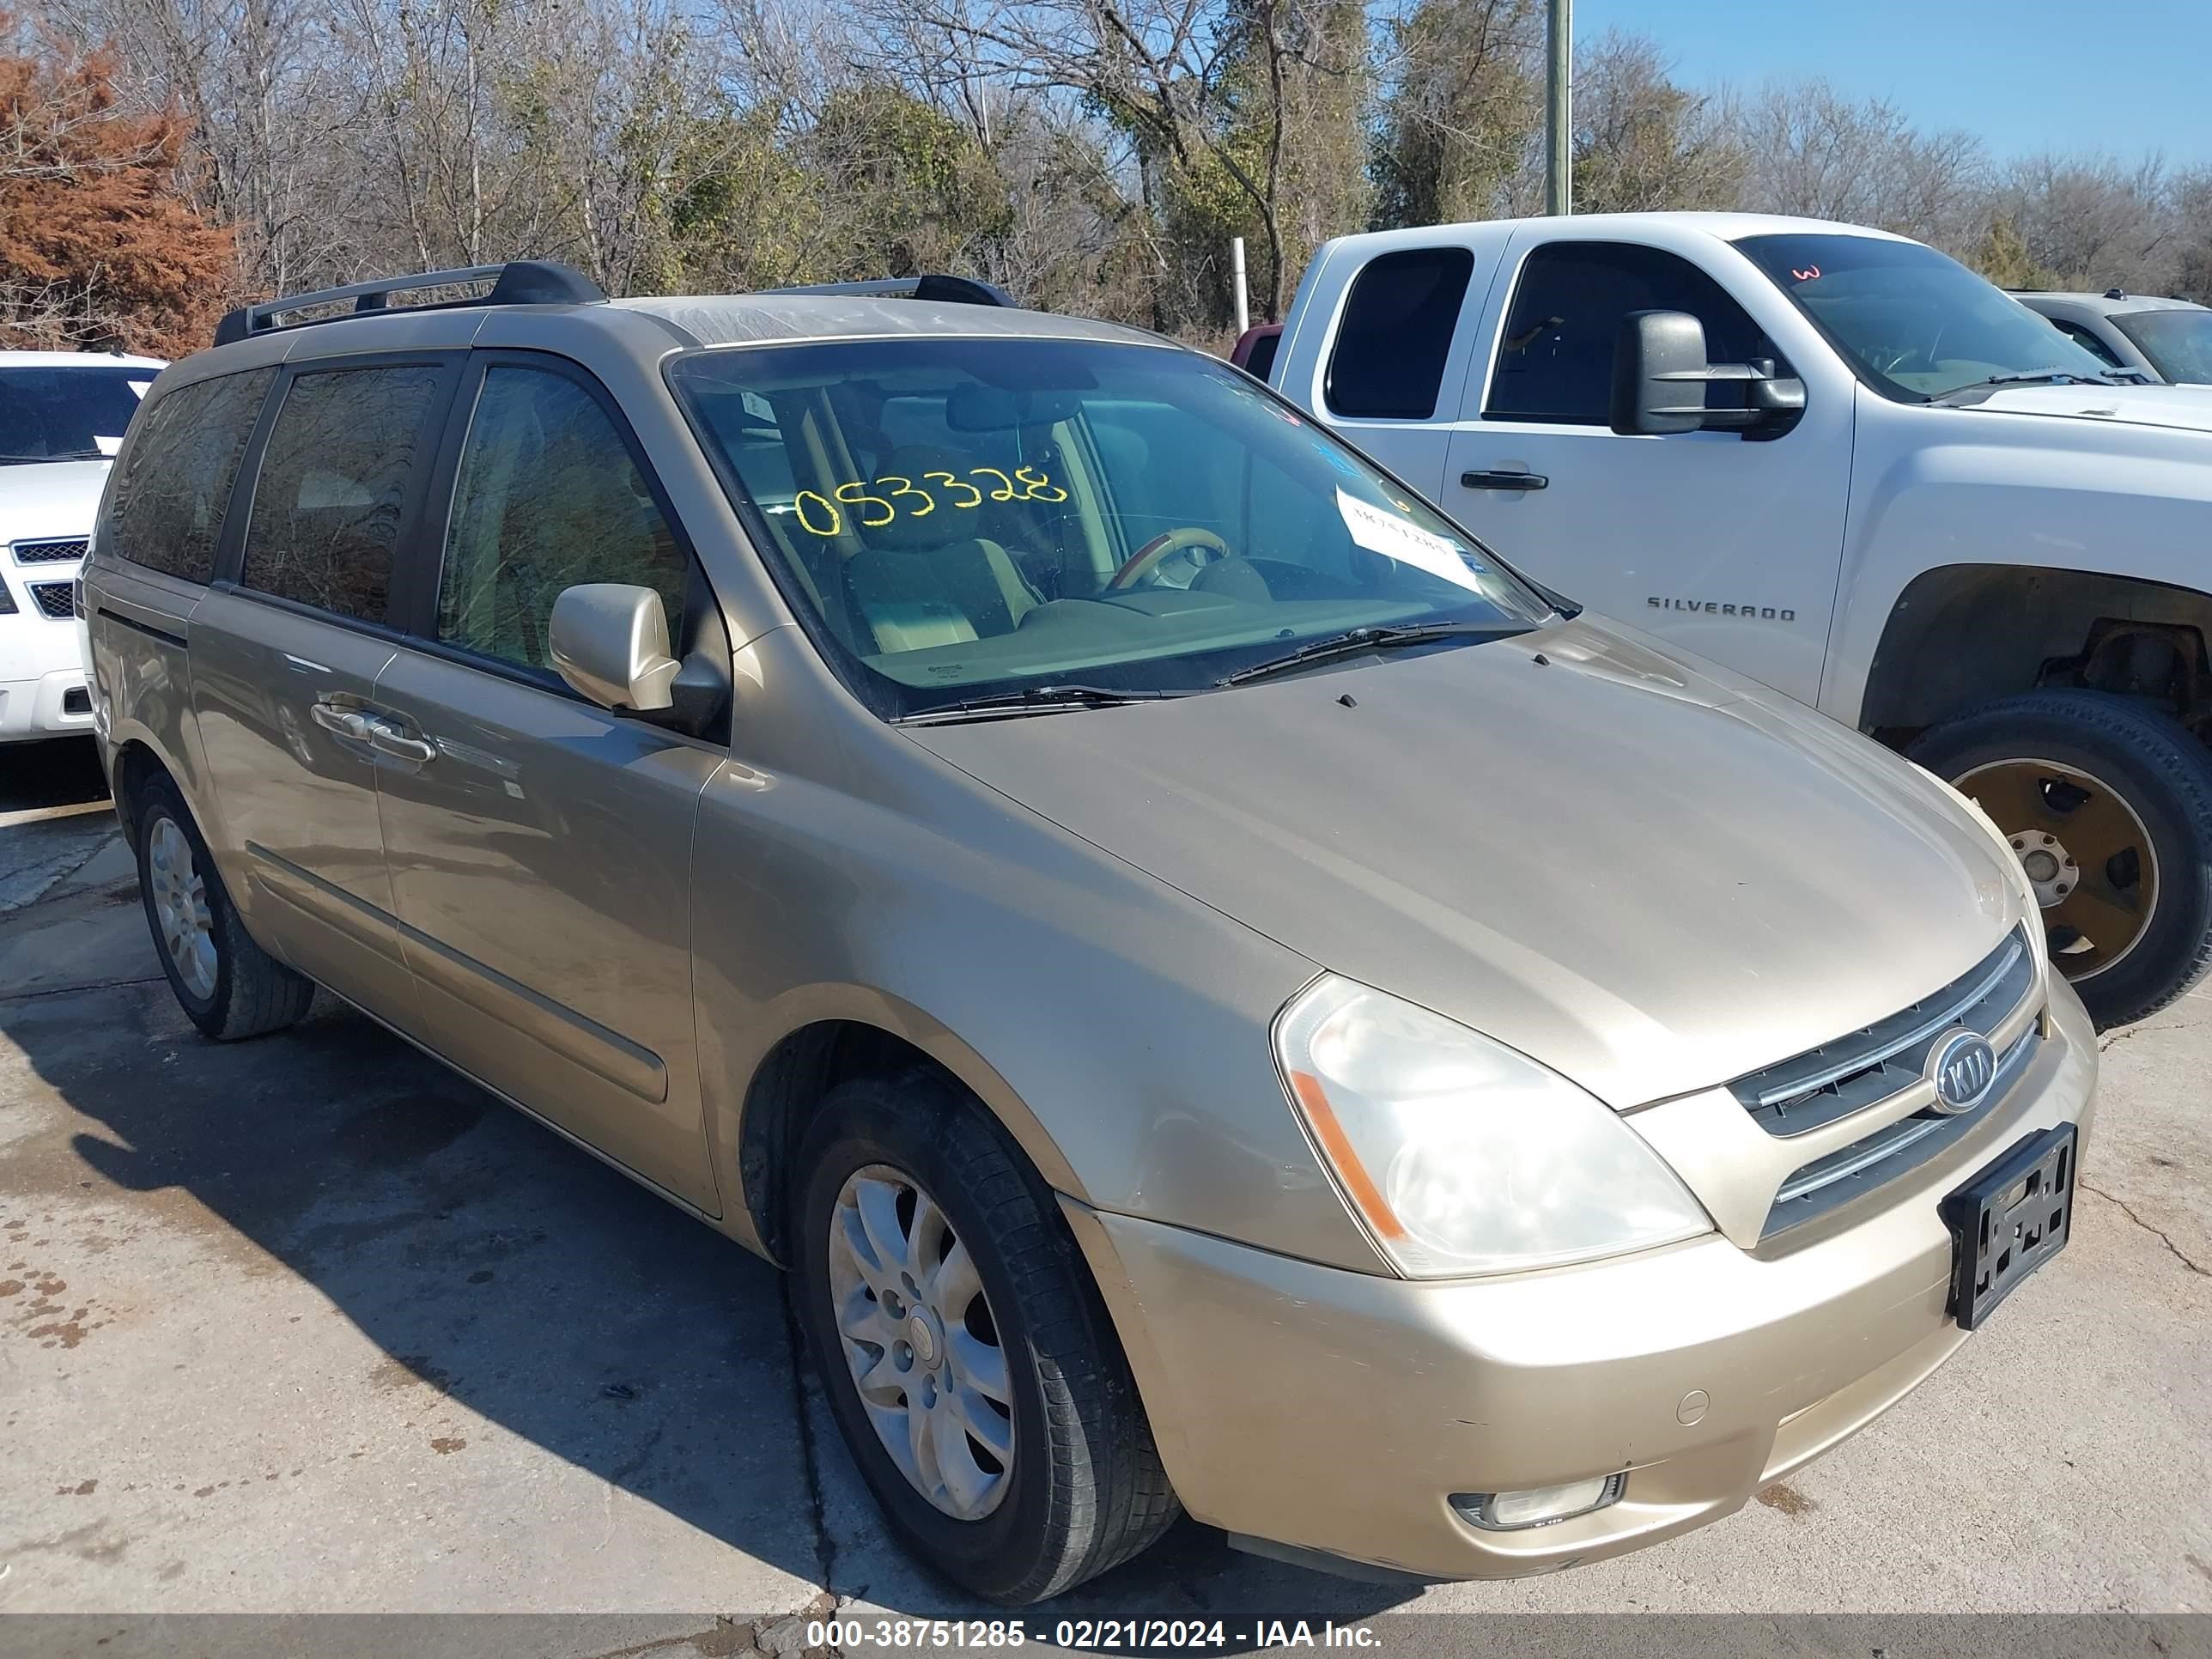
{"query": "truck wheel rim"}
(180, 905)
(920, 1342)
(2085, 853)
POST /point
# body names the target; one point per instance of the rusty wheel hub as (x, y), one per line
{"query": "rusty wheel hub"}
(2085, 850)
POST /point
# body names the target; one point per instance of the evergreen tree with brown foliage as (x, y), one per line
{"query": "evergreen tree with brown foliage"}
(100, 248)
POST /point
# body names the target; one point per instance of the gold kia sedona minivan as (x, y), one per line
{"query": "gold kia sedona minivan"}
(1222, 996)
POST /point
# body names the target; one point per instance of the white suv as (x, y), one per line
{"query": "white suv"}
(62, 415)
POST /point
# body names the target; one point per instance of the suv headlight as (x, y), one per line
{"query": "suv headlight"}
(1462, 1155)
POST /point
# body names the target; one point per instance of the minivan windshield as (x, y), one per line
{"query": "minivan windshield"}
(959, 518)
(1916, 324)
(65, 413)
(2178, 342)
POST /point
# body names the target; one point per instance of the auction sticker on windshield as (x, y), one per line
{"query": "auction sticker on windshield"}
(1380, 530)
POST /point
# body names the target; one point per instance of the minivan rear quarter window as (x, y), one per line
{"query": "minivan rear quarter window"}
(167, 514)
(1389, 360)
(326, 508)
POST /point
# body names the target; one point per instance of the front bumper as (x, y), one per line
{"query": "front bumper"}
(1335, 1413)
(54, 705)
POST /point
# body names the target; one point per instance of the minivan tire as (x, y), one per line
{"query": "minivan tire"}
(2158, 770)
(1085, 1489)
(251, 993)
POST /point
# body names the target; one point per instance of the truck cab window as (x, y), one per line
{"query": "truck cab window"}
(1389, 360)
(1555, 361)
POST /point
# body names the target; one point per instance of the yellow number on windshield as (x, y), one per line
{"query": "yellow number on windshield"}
(952, 481)
(856, 494)
(1004, 494)
(906, 488)
(1040, 488)
(799, 510)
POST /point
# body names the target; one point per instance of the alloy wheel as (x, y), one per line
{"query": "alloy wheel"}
(919, 1336)
(180, 904)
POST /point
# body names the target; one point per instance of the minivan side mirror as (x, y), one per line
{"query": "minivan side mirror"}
(1659, 375)
(610, 641)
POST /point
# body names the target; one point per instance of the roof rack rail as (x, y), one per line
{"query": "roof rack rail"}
(929, 285)
(517, 282)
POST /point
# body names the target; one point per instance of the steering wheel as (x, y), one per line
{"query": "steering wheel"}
(1146, 559)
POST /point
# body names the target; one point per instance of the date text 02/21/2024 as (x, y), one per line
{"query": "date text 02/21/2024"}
(1096, 1635)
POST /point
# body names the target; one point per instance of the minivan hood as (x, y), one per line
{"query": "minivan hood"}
(1647, 879)
(2187, 408)
(50, 498)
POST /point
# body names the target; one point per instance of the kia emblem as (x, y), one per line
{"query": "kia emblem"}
(1964, 1069)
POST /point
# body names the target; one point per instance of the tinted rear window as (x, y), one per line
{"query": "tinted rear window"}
(326, 508)
(1389, 360)
(166, 508)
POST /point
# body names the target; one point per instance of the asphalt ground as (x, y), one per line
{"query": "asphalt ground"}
(310, 1326)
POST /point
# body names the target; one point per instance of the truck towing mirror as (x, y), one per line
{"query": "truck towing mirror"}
(1659, 375)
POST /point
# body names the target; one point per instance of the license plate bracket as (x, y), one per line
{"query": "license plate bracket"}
(2009, 1220)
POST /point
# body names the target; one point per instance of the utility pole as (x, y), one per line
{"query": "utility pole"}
(1243, 292)
(1558, 107)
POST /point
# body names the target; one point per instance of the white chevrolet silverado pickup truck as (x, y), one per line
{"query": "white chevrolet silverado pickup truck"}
(1843, 465)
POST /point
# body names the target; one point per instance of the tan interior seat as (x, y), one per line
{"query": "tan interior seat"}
(929, 578)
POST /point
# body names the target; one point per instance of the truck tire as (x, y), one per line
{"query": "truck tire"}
(967, 1358)
(227, 985)
(2108, 802)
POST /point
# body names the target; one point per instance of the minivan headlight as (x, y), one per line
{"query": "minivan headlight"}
(1462, 1155)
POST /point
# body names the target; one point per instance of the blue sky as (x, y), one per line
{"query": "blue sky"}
(2026, 75)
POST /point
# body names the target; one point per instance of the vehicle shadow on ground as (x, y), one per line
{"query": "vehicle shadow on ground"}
(503, 1267)
(55, 772)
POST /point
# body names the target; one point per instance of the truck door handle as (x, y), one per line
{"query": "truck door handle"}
(388, 739)
(1503, 480)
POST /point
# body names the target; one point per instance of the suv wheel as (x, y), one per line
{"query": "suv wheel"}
(967, 1358)
(2108, 803)
(227, 985)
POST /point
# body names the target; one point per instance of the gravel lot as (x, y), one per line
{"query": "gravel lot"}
(309, 1324)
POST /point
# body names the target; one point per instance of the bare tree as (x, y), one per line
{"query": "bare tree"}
(1642, 142)
(1814, 151)
(2094, 221)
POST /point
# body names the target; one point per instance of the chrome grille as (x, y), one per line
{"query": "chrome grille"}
(53, 599)
(50, 552)
(1875, 1062)
(1826, 1183)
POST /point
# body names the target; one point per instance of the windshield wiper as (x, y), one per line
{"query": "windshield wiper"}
(1359, 640)
(66, 455)
(2041, 377)
(1034, 699)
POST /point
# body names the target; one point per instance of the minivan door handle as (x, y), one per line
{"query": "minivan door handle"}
(388, 739)
(346, 722)
(1503, 480)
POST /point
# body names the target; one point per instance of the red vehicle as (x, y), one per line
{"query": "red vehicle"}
(1254, 350)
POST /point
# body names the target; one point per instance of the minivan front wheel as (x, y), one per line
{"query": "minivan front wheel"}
(2107, 803)
(967, 1359)
(227, 985)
